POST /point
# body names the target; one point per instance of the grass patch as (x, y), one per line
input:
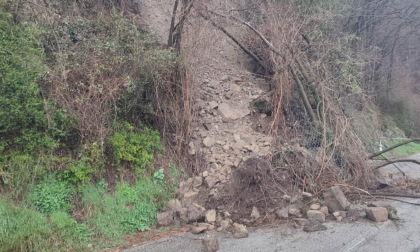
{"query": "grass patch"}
(404, 150)
(129, 209)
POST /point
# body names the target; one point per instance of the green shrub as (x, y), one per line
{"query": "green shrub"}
(135, 149)
(51, 195)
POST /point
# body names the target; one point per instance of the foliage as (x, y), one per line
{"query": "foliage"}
(159, 176)
(134, 148)
(69, 229)
(27, 119)
(22, 229)
(51, 195)
(129, 209)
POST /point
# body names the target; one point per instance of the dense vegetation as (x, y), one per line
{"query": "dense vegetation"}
(77, 148)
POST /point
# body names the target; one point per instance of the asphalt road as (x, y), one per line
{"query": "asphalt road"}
(357, 236)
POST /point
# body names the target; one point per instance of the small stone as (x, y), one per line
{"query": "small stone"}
(294, 212)
(225, 224)
(210, 181)
(211, 216)
(194, 214)
(189, 197)
(313, 226)
(208, 142)
(377, 214)
(205, 174)
(339, 215)
(191, 149)
(282, 213)
(316, 215)
(307, 195)
(210, 244)
(324, 209)
(200, 228)
(315, 206)
(174, 205)
(301, 221)
(286, 197)
(224, 78)
(165, 219)
(236, 137)
(255, 213)
(213, 105)
(197, 181)
(240, 231)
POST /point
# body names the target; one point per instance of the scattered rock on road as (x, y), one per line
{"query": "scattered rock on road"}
(335, 200)
(313, 226)
(239, 231)
(316, 215)
(377, 214)
(210, 244)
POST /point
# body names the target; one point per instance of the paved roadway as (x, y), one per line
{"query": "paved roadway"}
(361, 236)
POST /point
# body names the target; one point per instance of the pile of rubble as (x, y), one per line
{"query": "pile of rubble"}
(308, 213)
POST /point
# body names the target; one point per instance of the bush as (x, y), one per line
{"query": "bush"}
(24, 123)
(51, 195)
(135, 149)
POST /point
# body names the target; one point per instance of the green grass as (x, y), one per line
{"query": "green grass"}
(404, 150)
(128, 210)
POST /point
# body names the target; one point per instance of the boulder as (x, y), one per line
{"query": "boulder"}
(239, 231)
(335, 200)
(199, 228)
(377, 214)
(316, 215)
(210, 244)
(165, 219)
(174, 205)
(210, 216)
(195, 214)
(282, 213)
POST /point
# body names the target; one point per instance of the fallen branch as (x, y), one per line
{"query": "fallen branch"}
(393, 147)
(398, 161)
(246, 50)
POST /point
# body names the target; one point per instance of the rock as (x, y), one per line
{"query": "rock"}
(324, 209)
(295, 212)
(307, 195)
(210, 244)
(199, 228)
(335, 200)
(225, 224)
(286, 197)
(377, 214)
(282, 213)
(315, 206)
(239, 231)
(339, 215)
(208, 142)
(188, 198)
(227, 112)
(301, 221)
(214, 192)
(165, 219)
(174, 205)
(213, 105)
(210, 181)
(210, 216)
(182, 214)
(191, 149)
(316, 215)
(313, 226)
(224, 78)
(255, 213)
(205, 174)
(236, 137)
(195, 215)
(197, 181)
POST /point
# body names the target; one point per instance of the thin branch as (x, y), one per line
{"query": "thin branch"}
(398, 161)
(393, 147)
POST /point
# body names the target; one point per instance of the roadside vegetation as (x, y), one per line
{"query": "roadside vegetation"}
(79, 151)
